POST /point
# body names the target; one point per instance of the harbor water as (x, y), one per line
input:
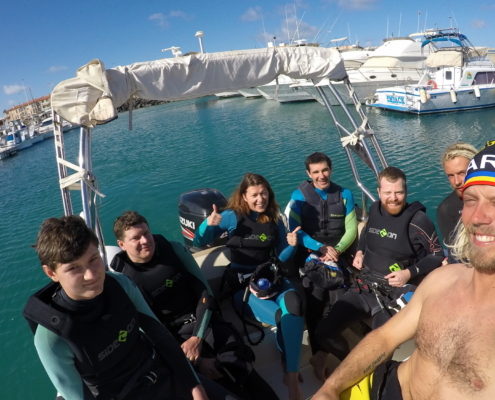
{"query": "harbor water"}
(187, 145)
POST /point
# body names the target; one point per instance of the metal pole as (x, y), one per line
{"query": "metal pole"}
(84, 139)
(347, 151)
(354, 124)
(58, 140)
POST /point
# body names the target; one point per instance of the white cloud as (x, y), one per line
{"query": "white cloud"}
(160, 19)
(12, 89)
(252, 14)
(58, 68)
(477, 23)
(354, 4)
(180, 14)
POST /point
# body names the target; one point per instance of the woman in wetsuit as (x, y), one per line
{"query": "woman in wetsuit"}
(256, 232)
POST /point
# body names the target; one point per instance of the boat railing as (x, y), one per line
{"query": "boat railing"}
(357, 139)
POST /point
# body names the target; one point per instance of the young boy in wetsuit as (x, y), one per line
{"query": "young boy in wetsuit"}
(89, 323)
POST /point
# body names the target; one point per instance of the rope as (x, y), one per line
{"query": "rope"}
(81, 175)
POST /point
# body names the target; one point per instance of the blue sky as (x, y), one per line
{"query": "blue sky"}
(45, 42)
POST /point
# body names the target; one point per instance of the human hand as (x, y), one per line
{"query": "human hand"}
(191, 348)
(398, 278)
(207, 368)
(329, 254)
(215, 218)
(198, 393)
(358, 260)
(292, 237)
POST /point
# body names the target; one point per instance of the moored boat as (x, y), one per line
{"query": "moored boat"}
(456, 79)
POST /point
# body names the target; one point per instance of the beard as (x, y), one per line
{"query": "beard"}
(480, 258)
(394, 210)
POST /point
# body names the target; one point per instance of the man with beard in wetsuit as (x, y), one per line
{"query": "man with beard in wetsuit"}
(176, 290)
(451, 316)
(455, 161)
(398, 246)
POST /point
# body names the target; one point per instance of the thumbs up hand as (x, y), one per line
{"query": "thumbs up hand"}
(215, 218)
(292, 237)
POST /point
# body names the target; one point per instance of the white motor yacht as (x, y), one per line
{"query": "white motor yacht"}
(46, 127)
(13, 142)
(397, 61)
(456, 79)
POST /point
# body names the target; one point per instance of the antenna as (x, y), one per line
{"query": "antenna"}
(419, 13)
(334, 22)
(349, 30)
(457, 26)
(297, 25)
(400, 22)
(426, 16)
(314, 39)
(264, 32)
(388, 18)
(287, 22)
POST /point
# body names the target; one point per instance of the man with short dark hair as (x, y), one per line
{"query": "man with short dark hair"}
(325, 213)
(455, 161)
(398, 246)
(449, 316)
(88, 326)
(176, 290)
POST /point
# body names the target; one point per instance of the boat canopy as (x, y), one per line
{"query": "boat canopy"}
(445, 59)
(92, 97)
(454, 57)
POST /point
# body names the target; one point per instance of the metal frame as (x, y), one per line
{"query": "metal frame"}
(89, 208)
(344, 132)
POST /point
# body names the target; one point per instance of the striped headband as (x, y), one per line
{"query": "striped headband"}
(481, 169)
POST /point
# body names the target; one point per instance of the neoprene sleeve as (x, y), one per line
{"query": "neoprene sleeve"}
(58, 359)
(200, 287)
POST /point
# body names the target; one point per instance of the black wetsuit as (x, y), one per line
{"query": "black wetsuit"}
(194, 317)
(358, 303)
(448, 214)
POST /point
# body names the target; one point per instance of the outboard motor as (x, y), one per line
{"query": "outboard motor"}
(194, 207)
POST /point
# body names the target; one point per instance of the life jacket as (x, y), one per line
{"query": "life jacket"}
(388, 247)
(252, 243)
(323, 220)
(107, 344)
(166, 286)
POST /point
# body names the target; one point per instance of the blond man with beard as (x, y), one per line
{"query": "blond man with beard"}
(450, 315)
(397, 249)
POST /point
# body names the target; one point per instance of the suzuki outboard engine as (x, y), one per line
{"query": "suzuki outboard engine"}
(194, 207)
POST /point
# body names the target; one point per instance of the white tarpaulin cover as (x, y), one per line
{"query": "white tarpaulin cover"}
(445, 59)
(93, 96)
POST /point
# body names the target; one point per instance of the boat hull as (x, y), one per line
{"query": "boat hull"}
(440, 100)
(283, 93)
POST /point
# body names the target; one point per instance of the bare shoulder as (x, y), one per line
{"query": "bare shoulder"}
(444, 277)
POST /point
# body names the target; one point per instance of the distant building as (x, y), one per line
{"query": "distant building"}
(32, 107)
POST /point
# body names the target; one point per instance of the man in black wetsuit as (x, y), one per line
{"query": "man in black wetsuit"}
(176, 290)
(455, 161)
(398, 246)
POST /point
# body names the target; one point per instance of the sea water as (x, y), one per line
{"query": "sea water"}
(187, 145)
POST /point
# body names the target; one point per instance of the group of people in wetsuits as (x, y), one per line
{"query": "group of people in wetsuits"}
(150, 329)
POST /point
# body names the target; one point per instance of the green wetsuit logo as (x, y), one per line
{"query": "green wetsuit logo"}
(169, 283)
(122, 336)
(394, 267)
(383, 233)
(263, 237)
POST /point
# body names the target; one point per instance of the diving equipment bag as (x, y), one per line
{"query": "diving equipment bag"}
(326, 275)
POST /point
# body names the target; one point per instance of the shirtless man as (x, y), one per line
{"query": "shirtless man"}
(451, 316)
